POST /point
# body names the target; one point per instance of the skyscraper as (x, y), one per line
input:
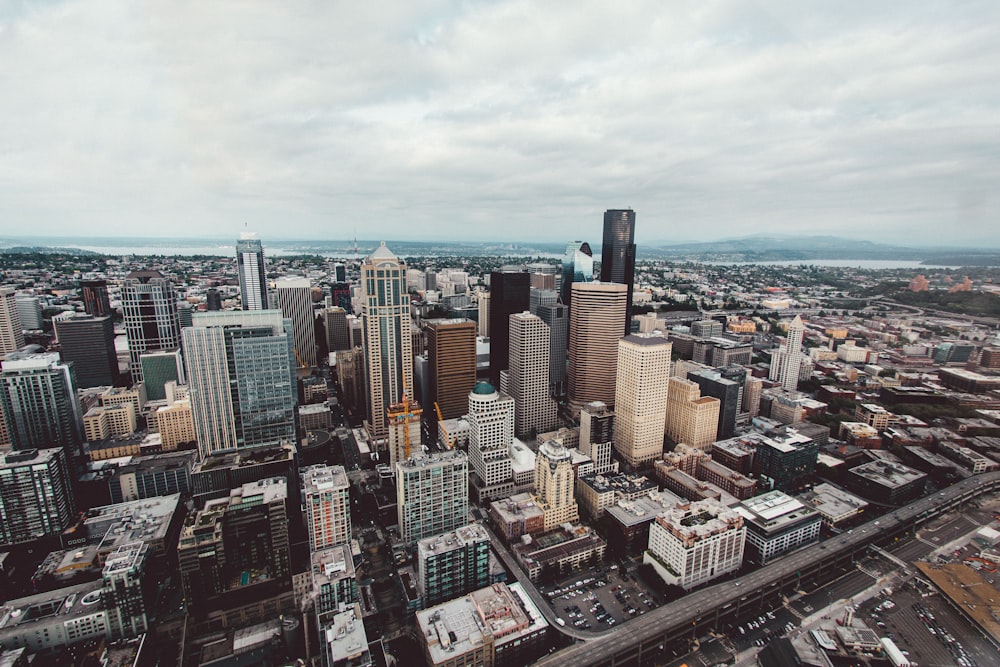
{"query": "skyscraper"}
(432, 494)
(293, 296)
(641, 398)
(385, 311)
(491, 432)
(597, 427)
(556, 315)
(11, 332)
(253, 277)
(38, 399)
(527, 377)
(712, 383)
(36, 499)
(451, 359)
(159, 368)
(337, 336)
(691, 418)
(89, 344)
(787, 361)
(554, 484)
(29, 310)
(241, 375)
(149, 305)
(618, 253)
(327, 502)
(577, 267)
(595, 325)
(509, 294)
(95, 297)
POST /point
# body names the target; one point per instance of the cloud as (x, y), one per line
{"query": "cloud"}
(500, 120)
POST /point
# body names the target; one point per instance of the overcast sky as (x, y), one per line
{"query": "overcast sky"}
(514, 120)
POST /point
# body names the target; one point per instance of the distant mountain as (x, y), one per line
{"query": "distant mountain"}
(45, 250)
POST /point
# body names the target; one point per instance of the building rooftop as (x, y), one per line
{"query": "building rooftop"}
(627, 483)
(28, 457)
(521, 505)
(889, 475)
(694, 521)
(645, 339)
(436, 458)
(775, 511)
(112, 526)
(832, 502)
(63, 604)
(323, 478)
(646, 508)
(344, 636)
(332, 564)
(464, 536)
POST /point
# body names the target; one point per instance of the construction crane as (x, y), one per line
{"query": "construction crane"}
(298, 357)
(402, 415)
(447, 438)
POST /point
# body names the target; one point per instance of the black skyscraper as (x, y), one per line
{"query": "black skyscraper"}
(509, 294)
(618, 253)
(95, 297)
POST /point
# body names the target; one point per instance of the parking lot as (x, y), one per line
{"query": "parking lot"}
(601, 599)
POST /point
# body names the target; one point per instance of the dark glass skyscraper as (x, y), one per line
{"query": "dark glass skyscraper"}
(577, 267)
(95, 297)
(151, 320)
(618, 253)
(509, 293)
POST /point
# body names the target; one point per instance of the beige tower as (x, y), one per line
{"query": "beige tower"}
(554, 478)
(641, 398)
(527, 377)
(11, 334)
(691, 418)
(596, 321)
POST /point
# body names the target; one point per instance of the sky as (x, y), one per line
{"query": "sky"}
(520, 120)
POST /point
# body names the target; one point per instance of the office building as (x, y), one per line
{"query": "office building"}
(785, 461)
(787, 361)
(334, 579)
(641, 398)
(509, 294)
(776, 524)
(88, 343)
(561, 552)
(452, 564)
(122, 592)
(597, 428)
(691, 418)
(886, 482)
(159, 368)
(253, 275)
(541, 297)
(29, 311)
(213, 477)
(152, 322)
(343, 639)
(695, 542)
(293, 297)
(556, 316)
(102, 422)
(95, 298)
(712, 383)
(496, 626)
(38, 399)
(327, 503)
(597, 492)
(213, 299)
(483, 308)
(11, 331)
(706, 329)
(491, 433)
(242, 380)
(36, 499)
(577, 267)
(151, 476)
(618, 254)
(833, 504)
(554, 484)
(337, 336)
(527, 377)
(451, 359)
(385, 311)
(175, 424)
(595, 325)
(432, 494)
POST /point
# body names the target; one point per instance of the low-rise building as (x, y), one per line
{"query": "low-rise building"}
(860, 435)
(885, 482)
(559, 551)
(776, 524)
(694, 543)
(834, 505)
(967, 458)
(596, 493)
(626, 523)
(516, 516)
(452, 564)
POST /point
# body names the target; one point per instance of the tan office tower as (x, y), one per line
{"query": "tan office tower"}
(596, 321)
(293, 296)
(451, 358)
(554, 478)
(11, 334)
(527, 377)
(385, 311)
(484, 313)
(691, 418)
(641, 397)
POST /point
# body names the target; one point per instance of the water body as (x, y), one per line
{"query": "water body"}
(844, 264)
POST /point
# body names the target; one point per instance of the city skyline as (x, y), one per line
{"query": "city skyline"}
(475, 121)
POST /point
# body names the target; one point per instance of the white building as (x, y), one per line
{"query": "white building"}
(527, 378)
(787, 361)
(641, 397)
(777, 523)
(491, 432)
(326, 497)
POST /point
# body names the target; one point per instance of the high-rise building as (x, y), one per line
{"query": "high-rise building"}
(385, 311)
(253, 276)
(509, 294)
(38, 399)
(451, 360)
(597, 428)
(88, 343)
(484, 313)
(453, 564)
(152, 322)
(123, 577)
(29, 310)
(785, 461)
(711, 383)
(405, 432)
(541, 297)
(527, 377)
(241, 375)
(213, 299)
(432, 494)
(577, 267)
(293, 297)
(618, 254)
(327, 502)
(11, 332)
(554, 484)
(491, 433)
(691, 418)
(787, 361)
(95, 297)
(337, 336)
(595, 325)
(36, 499)
(641, 397)
(556, 315)
(159, 368)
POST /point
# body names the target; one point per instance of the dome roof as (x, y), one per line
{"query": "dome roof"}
(483, 388)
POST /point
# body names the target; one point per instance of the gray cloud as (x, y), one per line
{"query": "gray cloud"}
(501, 120)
